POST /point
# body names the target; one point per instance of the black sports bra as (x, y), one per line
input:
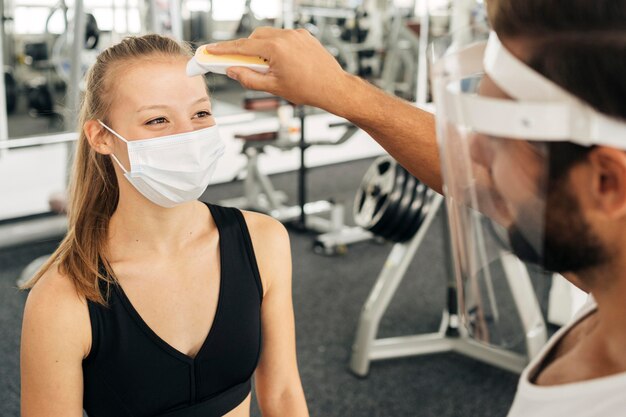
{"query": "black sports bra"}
(132, 372)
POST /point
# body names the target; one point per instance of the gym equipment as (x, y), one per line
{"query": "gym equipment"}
(8, 35)
(249, 22)
(164, 17)
(34, 228)
(4, 125)
(377, 40)
(364, 24)
(451, 336)
(92, 32)
(402, 55)
(39, 97)
(44, 71)
(260, 195)
(36, 52)
(390, 202)
(198, 28)
(11, 90)
(39, 93)
(65, 52)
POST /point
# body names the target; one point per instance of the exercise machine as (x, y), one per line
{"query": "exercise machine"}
(402, 56)
(354, 35)
(327, 218)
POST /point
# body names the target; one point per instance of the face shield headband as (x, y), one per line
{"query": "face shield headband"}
(540, 109)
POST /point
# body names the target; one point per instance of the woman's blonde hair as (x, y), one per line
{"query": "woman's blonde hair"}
(93, 189)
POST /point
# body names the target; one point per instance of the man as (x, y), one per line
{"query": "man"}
(560, 189)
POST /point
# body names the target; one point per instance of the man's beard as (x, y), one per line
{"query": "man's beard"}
(569, 243)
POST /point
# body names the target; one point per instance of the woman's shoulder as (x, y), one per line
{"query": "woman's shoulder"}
(55, 290)
(267, 227)
(270, 241)
(54, 304)
(261, 227)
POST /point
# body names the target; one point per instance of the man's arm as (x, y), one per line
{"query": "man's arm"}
(303, 72)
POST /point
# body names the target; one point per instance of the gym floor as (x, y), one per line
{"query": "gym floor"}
(328, 295)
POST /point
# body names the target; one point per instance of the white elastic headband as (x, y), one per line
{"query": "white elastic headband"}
(516, 78)
(544, 111)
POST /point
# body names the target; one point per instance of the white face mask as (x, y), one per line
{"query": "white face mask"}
(174, 169)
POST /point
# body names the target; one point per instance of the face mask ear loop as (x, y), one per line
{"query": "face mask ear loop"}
(119, 137)
(113, 131)
(119, 163)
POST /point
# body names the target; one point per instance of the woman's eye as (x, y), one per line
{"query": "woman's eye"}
(156, 121)
(202, 114)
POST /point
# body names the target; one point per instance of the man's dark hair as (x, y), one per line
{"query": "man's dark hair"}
(579, 45)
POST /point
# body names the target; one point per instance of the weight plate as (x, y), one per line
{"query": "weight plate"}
(403, 214)
(379, 191)
(420, 208)
(390, 210)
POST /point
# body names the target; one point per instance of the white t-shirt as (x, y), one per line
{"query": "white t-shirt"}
(599, 397)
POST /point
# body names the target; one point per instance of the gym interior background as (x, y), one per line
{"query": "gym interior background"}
(378, 328)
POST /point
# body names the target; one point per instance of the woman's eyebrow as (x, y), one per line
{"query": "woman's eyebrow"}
(165, 106)
(201, 100)
(152, 107)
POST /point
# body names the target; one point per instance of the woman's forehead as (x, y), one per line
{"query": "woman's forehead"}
(157, 81)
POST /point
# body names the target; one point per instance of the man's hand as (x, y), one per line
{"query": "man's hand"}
(301, 70)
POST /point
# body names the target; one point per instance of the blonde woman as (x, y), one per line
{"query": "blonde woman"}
(156, 304)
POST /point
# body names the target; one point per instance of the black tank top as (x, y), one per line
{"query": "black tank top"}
(132, 372)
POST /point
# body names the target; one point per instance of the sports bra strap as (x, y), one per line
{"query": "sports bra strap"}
(215, 406)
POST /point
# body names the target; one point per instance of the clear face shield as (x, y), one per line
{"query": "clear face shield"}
(495, 120)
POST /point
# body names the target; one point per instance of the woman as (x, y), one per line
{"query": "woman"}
(151, 306)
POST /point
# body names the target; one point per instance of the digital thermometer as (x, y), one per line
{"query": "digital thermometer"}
(203, 62)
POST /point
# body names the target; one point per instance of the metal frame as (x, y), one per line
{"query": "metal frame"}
(32, 230)
(403, 47)
(173, 9)
(4, 127)
(177, 19)
(526, 302)
(450, 337)
(288, 13)
(421, 95)
(30, 142)
(76, 74)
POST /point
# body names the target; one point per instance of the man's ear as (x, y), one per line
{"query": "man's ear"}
(98, 137)
(608, 187)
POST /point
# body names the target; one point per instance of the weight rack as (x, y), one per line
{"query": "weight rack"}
(451, 336)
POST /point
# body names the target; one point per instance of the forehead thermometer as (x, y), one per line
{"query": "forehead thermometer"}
(203, 62)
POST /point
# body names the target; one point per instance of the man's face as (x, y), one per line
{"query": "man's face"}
(542, 215)
(570, 244)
